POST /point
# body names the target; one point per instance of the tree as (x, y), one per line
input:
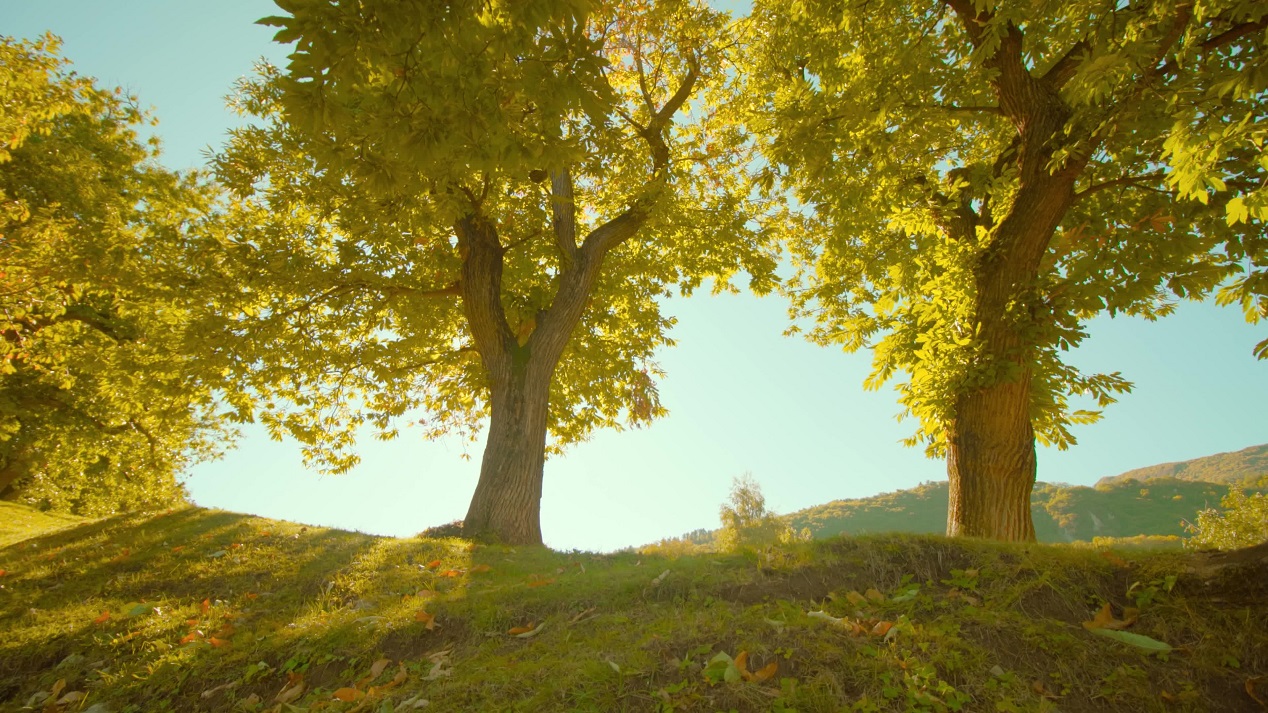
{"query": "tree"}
(473, 208)
(1242, 522)
(100, 404)
(981, 178)
(745, 519)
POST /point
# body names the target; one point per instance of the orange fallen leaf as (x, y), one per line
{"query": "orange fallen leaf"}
(226, 631)
(1251, 683)
(191, 636)
(481, 568)
(120, 557)
(235, 545)
(541, 582)
(428, 620)
(3, 572)
(882, 628)
(266, 533)
(217, 642)
(765, 673)
(1115, 559)
(251, 595)
(105, 616)
(1104, 619)
(451, 573)
(178, 548)
(433, 564)
(516, 631)
(348, 694)
(191, 623)
(401, 674)
(741, 662)
(206, 605)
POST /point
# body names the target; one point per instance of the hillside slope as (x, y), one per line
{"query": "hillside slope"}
(1248, 464)
(19, 522)
(1061, 513)
(201, 610)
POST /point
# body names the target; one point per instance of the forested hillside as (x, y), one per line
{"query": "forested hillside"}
(1248, 464)
(1061, 513)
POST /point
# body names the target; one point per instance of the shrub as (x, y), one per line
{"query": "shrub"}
(1243, 523)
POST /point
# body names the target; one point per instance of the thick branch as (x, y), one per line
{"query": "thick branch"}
(563, 215)
(482, 291)
(1065, 68)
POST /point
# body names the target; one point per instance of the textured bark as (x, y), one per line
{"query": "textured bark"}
(506, 506)
(991, 465)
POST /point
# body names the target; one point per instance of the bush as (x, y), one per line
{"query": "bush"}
(1243, 523)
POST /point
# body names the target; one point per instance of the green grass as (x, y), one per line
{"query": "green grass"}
(975, 626)
(19, 522)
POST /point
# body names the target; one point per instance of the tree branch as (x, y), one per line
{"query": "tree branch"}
(1061, 72)
(1128, 181)
(563, 216)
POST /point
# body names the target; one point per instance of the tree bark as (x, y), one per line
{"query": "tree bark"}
(991, 464)
(506, 506)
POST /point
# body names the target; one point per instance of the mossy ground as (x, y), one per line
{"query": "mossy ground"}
(213, 611)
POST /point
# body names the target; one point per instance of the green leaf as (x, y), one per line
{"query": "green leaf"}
(1138, 640)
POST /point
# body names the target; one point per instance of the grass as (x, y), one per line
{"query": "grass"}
(19, 522)
(201, 610)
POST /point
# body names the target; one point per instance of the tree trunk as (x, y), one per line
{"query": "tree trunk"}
(506, 506)
(991, 464)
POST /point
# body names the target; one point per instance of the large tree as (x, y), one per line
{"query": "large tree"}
(100, 408)
(474, 209)
(982, 177)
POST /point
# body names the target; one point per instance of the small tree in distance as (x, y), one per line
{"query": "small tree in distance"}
(746, 523)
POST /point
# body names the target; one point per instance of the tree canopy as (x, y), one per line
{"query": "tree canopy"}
(981, 178)
(474, 210)
(100, 403)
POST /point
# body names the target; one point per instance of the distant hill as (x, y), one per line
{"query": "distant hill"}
(1248, 464)
(1061, 513)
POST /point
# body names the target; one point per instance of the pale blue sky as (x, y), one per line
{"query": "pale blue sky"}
(742, 397)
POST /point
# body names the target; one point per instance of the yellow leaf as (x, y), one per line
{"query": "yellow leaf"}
(766, 672)
(1104, 619)
(854, 597)
(348, 694)
(428, 620)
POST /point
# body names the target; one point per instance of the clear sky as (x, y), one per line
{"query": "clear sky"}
(742, 397)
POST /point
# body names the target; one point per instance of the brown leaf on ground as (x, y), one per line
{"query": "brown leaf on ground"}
(1104, 619)
(1251, 684)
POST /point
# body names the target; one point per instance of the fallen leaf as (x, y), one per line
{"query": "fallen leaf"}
(72, 697)
(191, 636)
(293, 689)
(217, 643)
(428, 620)
(223, 687)
(882, 628)
(433, 564)
(1251, 683)
(741, 662)
(1137, 640)
(206, 605)
(517, 630)
(425, 593)
(266, 533)
(854, 597)
(451, 573)
(121, 556)
(657, 581)
(105, 616)
(3, 572)
(1115, 559)
(251, 595)
(1104, 619)
(766, 673)
(874, 595)
(481, 568)
(378, 666)
(178, 548)
(401, 674)
(541, 582)
(348, 694)
(191, 623)
(828, 618)
(252, 700)
(531, 633)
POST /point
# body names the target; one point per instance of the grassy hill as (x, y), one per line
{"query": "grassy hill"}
(19, 522)
(199, 610)
(1061, 513)
(1246, 465)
